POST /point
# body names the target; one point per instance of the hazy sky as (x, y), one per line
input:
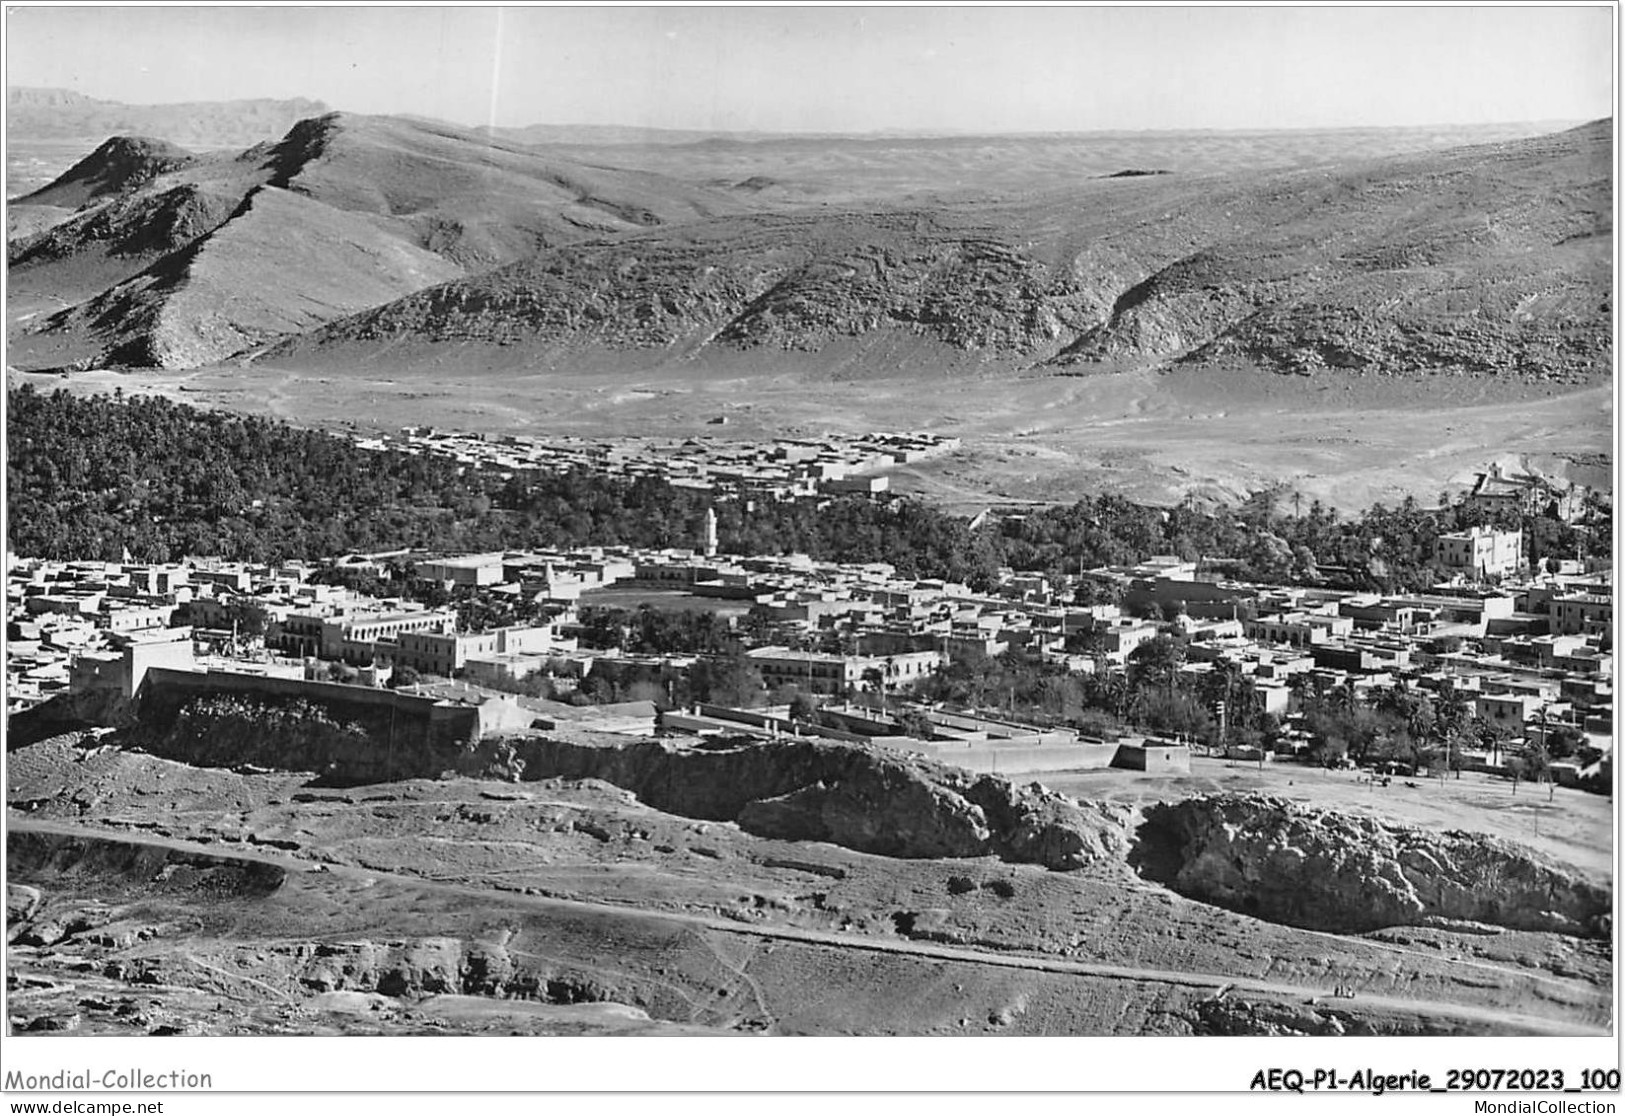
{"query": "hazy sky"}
(803, 68)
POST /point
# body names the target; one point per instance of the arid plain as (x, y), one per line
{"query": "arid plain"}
(1152, 435)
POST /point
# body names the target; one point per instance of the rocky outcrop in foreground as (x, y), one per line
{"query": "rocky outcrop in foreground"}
(864, 798)
(1324, 870)
(867, 799)
(158, 869)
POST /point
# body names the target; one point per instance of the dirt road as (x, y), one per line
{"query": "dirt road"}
(1219, 983)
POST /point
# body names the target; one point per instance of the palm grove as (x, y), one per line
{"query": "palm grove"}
(96, 477)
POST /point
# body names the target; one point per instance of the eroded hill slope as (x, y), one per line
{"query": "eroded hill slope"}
(381, 907)
(1490, 259)
(177, 260)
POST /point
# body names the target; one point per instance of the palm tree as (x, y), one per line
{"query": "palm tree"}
(1300, 686)
(1225, 683)
(1538, 764)
(1494, 737)
(1343, 697)
(1450, 711)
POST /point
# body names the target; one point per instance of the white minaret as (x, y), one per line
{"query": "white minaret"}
(710, 532)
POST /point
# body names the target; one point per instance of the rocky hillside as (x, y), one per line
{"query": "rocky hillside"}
(121, 228)
(772, 283)
(1325, 870)
(121, 164)
(1265, 857)
(175, 260)
(1491, 259)
(868, 799)
(187, 309)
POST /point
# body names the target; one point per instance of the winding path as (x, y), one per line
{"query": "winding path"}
(1217, 983)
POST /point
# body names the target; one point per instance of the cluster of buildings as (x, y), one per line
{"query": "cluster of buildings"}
(1499, 489)
(68, 621)
(78, 626)
(1531, 653)
(785, 468)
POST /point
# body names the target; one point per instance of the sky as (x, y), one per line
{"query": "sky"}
(802, 68)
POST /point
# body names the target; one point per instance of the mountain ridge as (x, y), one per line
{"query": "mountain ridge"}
(1297, 271)
(48, 113)
(419, 236)
(398, 194)
(118, 164)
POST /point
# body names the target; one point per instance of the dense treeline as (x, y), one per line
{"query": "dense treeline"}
(1384, 548)
(654, 631)
(90, 477)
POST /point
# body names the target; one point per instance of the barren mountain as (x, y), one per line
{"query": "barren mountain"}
(38, 114)
(124, 207)
(1487, 259)
(120, 164)
(178, 260)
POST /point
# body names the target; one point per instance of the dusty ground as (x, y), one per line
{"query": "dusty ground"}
(1570, 826)
(824, 169)
(470, 906)
(1215, 433)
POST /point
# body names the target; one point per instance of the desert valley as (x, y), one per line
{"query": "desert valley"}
(456, 584)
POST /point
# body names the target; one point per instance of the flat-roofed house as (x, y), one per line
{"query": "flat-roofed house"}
(1588, 613)
(1480, 551)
